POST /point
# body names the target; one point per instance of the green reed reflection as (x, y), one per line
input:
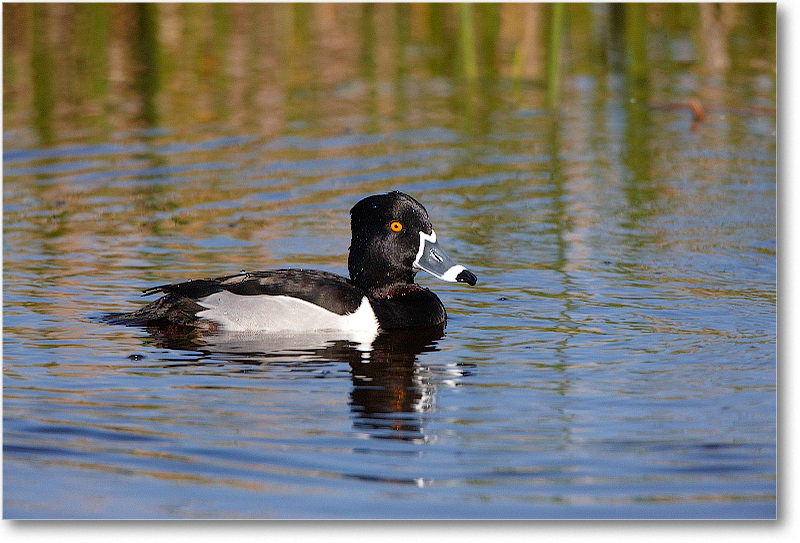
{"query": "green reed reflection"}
(96, 66)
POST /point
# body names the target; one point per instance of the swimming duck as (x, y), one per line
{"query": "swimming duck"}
(392, 239)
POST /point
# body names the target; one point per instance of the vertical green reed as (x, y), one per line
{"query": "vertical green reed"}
(221, 42)
(145, 52)
(635, 40)
(554, 56)
(42, 68)
(467, 32)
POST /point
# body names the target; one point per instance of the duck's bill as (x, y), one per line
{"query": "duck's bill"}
(432, 259)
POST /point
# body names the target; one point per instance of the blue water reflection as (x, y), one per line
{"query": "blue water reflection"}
(617, 360)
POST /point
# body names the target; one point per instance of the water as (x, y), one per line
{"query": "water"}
(617, 358)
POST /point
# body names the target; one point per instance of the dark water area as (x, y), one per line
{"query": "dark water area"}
(615, 196)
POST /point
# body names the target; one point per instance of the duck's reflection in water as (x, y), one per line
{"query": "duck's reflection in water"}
(391, 389)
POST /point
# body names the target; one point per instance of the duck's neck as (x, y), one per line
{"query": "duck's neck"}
(379, 281)
(397, 290)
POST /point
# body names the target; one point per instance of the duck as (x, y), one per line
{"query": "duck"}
(392, 238)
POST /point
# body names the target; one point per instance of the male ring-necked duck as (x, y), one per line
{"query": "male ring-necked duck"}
(392, 238)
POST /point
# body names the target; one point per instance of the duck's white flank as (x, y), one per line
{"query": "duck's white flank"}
(237, 313)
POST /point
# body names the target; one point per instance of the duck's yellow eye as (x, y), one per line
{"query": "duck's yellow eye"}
(396, 226)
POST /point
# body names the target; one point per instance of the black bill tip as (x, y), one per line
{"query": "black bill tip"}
(467, 277)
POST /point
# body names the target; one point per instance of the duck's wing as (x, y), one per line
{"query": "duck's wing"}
(327, 290)
(182, 301)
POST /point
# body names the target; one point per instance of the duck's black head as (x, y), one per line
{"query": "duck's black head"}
(392, 238)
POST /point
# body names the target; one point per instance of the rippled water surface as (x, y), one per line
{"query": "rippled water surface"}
(616, 359)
